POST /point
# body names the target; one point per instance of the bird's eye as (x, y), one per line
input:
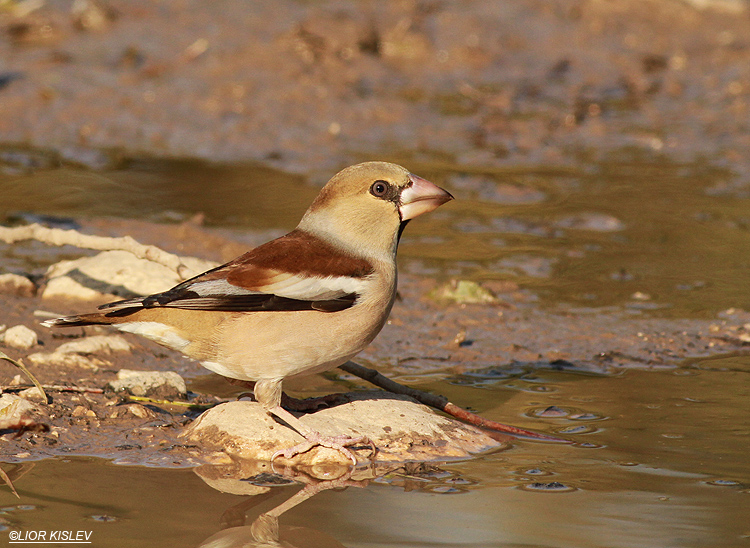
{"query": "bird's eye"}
(379, 188)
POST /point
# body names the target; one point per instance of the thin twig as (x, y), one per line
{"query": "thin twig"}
(58, 236)
(439, 402)
(54, 388)
(172, 402)
(6, 479)
(20, 366)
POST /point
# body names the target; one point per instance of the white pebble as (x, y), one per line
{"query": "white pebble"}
(139, 383)
(20, 337)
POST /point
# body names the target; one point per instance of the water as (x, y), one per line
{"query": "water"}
(599, 234)
(161, 190)
(675, 236)
(660, 458)
(656, 469)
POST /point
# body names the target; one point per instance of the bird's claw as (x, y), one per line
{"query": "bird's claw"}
(337, 443)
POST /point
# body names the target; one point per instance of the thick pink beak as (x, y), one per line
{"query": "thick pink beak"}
(421, 197)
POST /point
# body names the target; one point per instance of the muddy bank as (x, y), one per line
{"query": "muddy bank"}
(428, 335)
(311, 87)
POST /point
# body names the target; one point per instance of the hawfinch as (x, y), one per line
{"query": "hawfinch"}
(303, 303)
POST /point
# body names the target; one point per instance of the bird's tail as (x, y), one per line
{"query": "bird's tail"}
(96, 318)
(114, 310)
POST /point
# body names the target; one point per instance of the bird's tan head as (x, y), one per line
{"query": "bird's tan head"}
(364, 206)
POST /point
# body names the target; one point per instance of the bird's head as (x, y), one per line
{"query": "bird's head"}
(363, 208)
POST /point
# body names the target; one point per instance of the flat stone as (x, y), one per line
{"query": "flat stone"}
(80, 353)
(116, 274)
(20, 337)
(142, 383)
(67, 360)
(96, 344)
(401, 429)
(14, 284)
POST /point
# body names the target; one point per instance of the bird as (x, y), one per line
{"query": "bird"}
(303, 303)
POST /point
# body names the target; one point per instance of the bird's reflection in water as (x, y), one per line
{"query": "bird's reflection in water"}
(261, 484)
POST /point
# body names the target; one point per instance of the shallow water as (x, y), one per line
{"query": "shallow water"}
(660, 458)
(647, 234)
(650, 468)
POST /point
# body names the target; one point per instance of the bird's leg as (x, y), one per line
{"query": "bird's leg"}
(268, 393)
(296, 404)
(266, 526)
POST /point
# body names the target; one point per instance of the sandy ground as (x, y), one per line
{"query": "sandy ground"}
(313, 86)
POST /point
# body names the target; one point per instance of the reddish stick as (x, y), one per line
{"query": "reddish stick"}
(440, 402)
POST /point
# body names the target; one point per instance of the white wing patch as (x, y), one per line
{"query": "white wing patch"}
(213, 288)
(314, 288)
(306, 288)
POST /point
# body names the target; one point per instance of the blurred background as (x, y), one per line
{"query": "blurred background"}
(311, 86)
(599, 152)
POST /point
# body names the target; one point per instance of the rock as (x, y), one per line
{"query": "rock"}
(463, 292)
(64, 286)
(142, 383)
(20, 337)
(79, 353)
(113, 273)
(401, 429)
(81, 411)
(14, 408)
(33, 393)
(14, 284)
(67, 360)
(96, 344)
(133, 410)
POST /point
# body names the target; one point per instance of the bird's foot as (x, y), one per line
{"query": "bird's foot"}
(338, 443)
